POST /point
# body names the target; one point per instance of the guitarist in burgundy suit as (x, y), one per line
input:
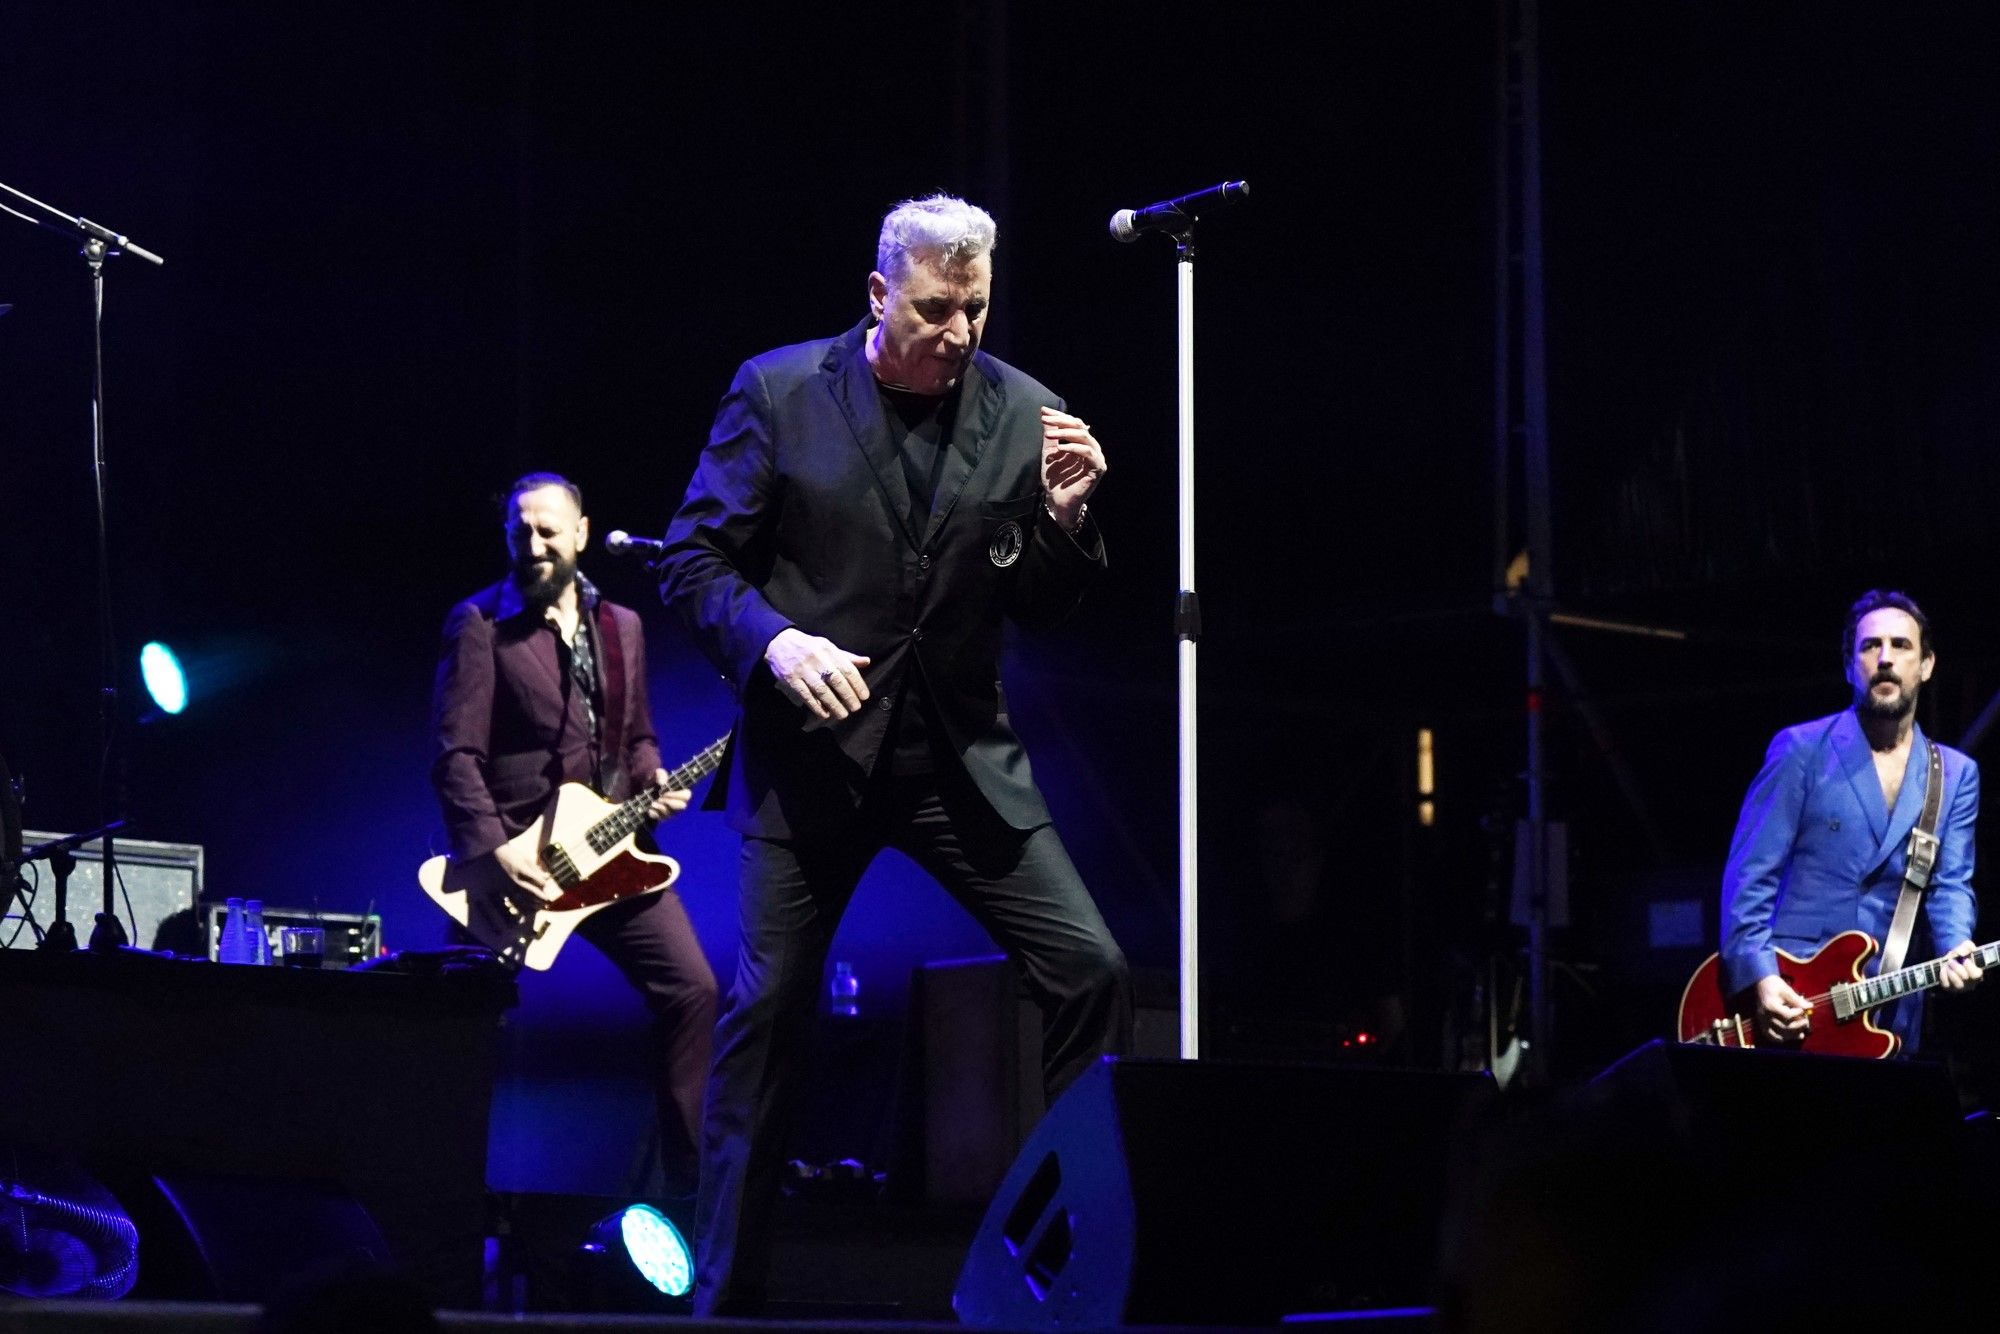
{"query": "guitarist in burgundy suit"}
(869, 512)
(1820, 846)
(541, 682)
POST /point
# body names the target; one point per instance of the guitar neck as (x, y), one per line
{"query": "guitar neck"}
(633, 814)
(1874, 991)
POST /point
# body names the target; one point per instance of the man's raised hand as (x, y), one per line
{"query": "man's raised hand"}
(1072, 463)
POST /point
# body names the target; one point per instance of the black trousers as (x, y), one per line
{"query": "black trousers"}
(652, 943)
(1022, 888)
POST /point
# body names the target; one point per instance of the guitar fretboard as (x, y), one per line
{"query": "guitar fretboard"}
(632, 815)
(1875, 991)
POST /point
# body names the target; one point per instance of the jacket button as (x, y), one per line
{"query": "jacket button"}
(923, 562)
(888, 701)
(917, 633)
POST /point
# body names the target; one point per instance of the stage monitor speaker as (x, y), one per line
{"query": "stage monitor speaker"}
(1706, 1188)
(1197, 1192)
(159, 879)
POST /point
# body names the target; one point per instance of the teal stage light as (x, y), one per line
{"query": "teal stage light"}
(165, 681)
(642, 1263)
(657, 1249)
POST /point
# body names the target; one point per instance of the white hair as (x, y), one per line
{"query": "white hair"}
(942, 227)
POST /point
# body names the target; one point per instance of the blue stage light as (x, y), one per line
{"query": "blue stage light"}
(165, 681)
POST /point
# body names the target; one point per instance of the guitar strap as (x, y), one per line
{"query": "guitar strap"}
(611, 728)
(1919, 860)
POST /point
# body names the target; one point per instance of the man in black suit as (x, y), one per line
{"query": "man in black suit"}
(868, 509)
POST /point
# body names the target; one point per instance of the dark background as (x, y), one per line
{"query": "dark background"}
(415, 250)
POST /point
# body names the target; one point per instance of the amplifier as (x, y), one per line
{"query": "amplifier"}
(159, 880)
(350, 937)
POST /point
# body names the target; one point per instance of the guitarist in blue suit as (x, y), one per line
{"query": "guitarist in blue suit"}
(1822, 841)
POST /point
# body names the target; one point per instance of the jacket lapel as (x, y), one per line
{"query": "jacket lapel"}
(611, 675)
(536, 650)
(978, 410)
(1909, 801)
(853, 388)
(1858, 764)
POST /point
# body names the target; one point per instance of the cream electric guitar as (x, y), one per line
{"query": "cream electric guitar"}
(585, 843)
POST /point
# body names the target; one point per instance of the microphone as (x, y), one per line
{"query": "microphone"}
(621, 543)
(1174, 215)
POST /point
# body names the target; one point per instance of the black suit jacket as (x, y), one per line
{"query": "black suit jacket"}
(798, 516)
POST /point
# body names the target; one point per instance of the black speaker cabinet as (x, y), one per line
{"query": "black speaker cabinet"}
(1194, 1192)
(982, 1066)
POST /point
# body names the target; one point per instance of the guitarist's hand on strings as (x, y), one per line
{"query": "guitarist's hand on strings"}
(667, 801)
(816, 674)
(1782, 1013)
(525, 870)
(1960, 972)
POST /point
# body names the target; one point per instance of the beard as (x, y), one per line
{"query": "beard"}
(1889, 710)
(540, 589)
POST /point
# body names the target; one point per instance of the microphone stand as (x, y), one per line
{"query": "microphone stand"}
(1187, 631)
(98, 245)
(60, 853)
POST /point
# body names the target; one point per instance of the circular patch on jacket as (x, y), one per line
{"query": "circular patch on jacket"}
(1005, 548)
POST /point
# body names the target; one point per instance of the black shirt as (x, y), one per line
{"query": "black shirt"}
(921, 424)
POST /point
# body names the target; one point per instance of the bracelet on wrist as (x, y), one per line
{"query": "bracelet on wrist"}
(1082, 513)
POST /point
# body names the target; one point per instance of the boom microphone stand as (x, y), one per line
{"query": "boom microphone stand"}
(99, 243)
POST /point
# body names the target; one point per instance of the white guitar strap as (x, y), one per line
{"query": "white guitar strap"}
(1919, 860)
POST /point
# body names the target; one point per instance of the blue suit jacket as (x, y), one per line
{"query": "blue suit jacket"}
(1818, 852)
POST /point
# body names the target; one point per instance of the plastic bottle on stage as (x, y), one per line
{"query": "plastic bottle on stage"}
(234, 947)
(253, 927)
(845, 992)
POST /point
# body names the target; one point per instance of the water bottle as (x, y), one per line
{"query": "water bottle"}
(846, 992)
(234, 947)
(253, 928)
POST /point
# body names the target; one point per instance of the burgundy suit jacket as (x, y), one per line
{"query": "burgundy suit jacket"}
(508, 727)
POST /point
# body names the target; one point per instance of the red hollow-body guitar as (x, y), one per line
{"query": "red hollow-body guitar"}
(1831, 980)
(585, 843)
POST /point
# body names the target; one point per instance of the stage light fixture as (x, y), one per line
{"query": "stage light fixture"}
(165, 681)
(639, 1242)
